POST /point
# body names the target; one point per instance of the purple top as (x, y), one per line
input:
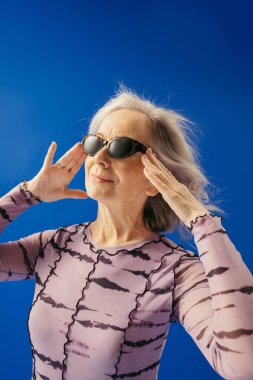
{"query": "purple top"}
(105, 313)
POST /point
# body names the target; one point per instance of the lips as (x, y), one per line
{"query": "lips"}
(101, 177)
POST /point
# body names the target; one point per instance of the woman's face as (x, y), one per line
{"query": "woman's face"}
(129, 181)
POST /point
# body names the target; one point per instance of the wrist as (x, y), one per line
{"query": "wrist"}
(194, 215)
(30, 190)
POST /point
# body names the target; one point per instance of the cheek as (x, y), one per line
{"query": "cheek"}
(136, 175)
(87, 170)
(87, 165)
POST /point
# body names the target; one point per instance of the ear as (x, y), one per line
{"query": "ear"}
(151, 191)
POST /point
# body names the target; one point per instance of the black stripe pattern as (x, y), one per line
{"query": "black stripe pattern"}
(105, 312)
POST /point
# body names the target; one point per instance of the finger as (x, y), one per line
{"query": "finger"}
(156, 161)
(77, 194)
(160, 165)
(158, 181)
(155, 164)
(77, 161)
(78, 164)
(50, 154)
(163, 182)
(71, 155)
(154, 172)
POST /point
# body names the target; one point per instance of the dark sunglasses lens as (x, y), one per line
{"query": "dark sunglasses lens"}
(121, 147)
(91, 145)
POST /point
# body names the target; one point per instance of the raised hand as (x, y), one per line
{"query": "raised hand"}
(50, 184)
(185, 205)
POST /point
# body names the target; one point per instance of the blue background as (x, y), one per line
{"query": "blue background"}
(61, 61)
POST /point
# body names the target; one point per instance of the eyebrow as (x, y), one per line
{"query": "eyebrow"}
(98, 133)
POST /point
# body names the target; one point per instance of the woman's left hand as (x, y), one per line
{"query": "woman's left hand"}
(176, 194)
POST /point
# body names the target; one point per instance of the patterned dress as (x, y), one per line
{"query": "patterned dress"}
(101, 313)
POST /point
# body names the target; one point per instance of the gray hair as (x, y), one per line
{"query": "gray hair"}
(176, 150)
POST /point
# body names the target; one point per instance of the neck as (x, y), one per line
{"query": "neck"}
(114, 231)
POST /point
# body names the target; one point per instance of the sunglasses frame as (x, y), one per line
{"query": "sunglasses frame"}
(137, 146)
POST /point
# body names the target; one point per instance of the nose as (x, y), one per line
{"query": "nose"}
(102, 154)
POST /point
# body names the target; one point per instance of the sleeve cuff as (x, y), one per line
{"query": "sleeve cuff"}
(200, 219)
(28, 194)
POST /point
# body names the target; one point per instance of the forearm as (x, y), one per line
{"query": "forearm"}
(231, 288)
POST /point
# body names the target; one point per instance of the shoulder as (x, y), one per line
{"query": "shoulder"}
(179, 250)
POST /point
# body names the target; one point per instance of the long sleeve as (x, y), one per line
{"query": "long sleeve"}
(17, 258)
(213, 300)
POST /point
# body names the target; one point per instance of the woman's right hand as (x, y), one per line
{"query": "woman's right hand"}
(50, 184)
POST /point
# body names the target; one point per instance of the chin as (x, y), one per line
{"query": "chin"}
(98, 192)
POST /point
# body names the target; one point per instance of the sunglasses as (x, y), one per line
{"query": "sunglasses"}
(120, 147)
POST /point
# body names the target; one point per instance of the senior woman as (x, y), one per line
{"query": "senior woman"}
(107, 290)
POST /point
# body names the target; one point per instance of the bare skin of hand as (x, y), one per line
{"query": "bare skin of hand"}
(50, 184)
(185, 205)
